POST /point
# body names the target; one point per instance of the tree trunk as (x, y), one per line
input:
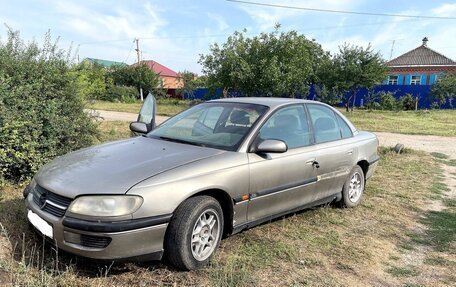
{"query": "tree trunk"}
(354, 99)
(225, 92)
(347, 104)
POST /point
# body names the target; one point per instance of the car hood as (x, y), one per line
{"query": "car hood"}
(115, 167)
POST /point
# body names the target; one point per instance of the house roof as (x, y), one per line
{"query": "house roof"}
(159, 68)
(105, 63)
(421, 56)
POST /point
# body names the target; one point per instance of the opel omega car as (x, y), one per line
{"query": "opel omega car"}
(213, 170)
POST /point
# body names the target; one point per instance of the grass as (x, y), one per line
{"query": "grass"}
(109, 131)
(402, 271)
(443, 158)
(165, 107)
(434, 122)
(442, 229)
(325, 246)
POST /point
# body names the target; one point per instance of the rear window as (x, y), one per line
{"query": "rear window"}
(324, 122)
(345, 130)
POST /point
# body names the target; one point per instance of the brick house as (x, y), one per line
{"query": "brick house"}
(170, 80)
(420, 66)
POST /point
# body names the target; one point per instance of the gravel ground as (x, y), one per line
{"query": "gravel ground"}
(446, 145)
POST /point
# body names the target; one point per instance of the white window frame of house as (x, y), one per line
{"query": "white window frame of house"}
(415, 80)
(393, 80)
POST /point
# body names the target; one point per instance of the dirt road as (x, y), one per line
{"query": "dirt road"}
(121, 116)
(446, 145)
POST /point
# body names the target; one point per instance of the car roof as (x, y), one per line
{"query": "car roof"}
(266, 101)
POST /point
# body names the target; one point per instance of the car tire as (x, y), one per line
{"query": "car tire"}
(353, 188)
(194, 233)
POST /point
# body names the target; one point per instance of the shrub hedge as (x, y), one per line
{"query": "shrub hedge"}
(41, 115)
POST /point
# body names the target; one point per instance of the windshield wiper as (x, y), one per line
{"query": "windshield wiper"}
(179, 141)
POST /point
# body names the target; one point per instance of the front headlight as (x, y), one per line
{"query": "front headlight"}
(29, 188)
(106, 205)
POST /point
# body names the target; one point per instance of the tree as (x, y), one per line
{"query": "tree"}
(91, 80)
(136, 76)
(187, 79)
(41, 114)
(444, 90)
(351, 69)
(270, 64)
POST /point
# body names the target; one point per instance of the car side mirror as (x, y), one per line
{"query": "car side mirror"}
(138, 128)
(271, 146)
(147, 113)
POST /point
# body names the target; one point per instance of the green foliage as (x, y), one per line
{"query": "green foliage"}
(270, 64)
(387, 101)
(352, 68)
(189, 83)
(137, 76)
(122, 94)
(329, 96)
(41, 113)
(408, 102)
(90, 80)
(444, 90)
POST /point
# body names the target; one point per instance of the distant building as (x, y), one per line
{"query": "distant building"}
(169, 79)
(420, 66)
(105, 63)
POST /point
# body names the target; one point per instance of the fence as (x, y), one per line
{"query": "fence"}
(419, 91)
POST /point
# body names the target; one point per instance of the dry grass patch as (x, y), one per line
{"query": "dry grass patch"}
(325, 246)
(423, 122)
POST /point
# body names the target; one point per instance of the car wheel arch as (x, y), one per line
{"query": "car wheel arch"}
(225, 201)
(364, 164)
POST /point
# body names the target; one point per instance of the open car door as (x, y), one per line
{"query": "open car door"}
(146, 117)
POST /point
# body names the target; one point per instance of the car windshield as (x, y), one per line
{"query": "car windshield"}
(217, 125)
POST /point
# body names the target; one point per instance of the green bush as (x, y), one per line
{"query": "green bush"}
(124, 94)
(388, 101)
(408, 102)
(443, 91)
(41, 115)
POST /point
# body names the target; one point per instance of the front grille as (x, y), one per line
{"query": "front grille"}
(50, 202)
(95, 241)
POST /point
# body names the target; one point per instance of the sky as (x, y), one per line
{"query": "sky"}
(174, 33)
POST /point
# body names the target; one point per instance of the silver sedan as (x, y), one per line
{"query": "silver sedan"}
(213, 170)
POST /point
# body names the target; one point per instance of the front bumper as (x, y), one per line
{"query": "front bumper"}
(105, 240)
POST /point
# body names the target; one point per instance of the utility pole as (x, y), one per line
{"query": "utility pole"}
(138, 53)
(392, 49)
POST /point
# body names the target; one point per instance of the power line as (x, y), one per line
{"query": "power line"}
(341, 11)
(129, 52)
(104, 41)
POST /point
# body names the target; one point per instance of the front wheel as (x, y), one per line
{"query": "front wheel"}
(194, 233)
(353, 188)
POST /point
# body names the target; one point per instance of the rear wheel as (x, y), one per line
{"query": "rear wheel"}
(194, 233)
(353, 188)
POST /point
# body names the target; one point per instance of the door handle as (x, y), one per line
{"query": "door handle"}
(310, 161)
(350, 152)
(313, 162)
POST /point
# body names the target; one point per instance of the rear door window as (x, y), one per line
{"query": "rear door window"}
(326, 127)
(345, 130)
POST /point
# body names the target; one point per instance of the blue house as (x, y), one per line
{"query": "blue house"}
(420, 66)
